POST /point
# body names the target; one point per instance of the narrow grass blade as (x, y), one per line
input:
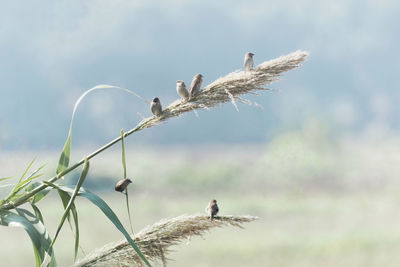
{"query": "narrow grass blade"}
(71, 202)
(24, 183)
(113, 218)
(15, 190)
(35, 229)
(37, 211)
(124, 166)
(66, 152)
(43, 232)
(5, 178)
(129, 212)
(40, 194)
(65, 198)
(75, 216)
(36, 171)
(63, 162)
(102, 205)
(39, 255)
(123, 152)
(26, 170)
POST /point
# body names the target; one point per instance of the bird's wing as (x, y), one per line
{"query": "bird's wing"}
(193, 84)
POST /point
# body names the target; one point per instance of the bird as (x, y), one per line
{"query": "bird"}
(196, 84)
(122, 185)
(248, 61)
(155, 107)
(212, 209)
(181, 89)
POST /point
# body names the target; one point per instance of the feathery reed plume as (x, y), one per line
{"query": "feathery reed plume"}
(225, 89)
(230, 88)
(154, 241)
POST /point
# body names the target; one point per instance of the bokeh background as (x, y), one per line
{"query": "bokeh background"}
(319, 163)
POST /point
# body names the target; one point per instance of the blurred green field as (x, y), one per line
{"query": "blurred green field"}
(293, 230)
(321, 202)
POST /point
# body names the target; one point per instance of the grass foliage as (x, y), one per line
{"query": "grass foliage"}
(155, 240)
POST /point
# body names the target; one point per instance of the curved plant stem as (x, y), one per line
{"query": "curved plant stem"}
(25, 198)
(129, 212)
(225, 89)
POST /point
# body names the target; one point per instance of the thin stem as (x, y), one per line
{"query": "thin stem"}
(123, 152)
(25, 198)
(127, 206)
(238, 83)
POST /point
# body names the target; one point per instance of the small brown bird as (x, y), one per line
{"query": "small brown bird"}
(248, 61)
(196, 84)
(212, 209)
(122, 185)
(155, 107)
(181, 89)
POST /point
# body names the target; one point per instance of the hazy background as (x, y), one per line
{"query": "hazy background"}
(52, 51)
(319, 163)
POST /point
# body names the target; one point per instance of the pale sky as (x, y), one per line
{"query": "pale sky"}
(52, 51)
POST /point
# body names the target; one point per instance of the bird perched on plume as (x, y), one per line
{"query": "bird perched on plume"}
(248, 61)
(212, 209)
(196, 84)
(181, 89)
(122, 185)
(155, 107)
